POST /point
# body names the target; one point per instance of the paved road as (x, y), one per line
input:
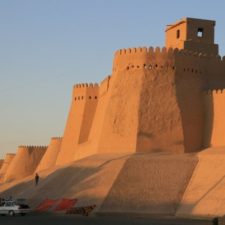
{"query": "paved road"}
(57, 219)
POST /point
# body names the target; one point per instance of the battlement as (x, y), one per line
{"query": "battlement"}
(214, 91)
(33, 147)
(156, 58)
(85, 91)
(56, 138)
(86, 85)
(151, 51)
(10, 155)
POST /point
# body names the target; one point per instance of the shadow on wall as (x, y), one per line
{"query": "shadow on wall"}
(209, 116)
(196, 108)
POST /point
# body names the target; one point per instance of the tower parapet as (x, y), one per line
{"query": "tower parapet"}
(79, 122)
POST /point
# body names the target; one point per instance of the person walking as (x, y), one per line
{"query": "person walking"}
(36, 179)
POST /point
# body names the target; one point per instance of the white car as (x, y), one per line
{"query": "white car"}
(11, 207)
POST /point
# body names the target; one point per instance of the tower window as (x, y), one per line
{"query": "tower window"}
(200, 32)
(178, 34)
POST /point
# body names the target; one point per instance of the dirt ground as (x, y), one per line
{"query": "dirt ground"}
(59, 219)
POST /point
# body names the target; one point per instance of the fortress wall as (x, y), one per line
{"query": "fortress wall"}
(151, 85)
(160, 123)
(7, 161)
(139, 76)
(217, 98)
(120, 125)
(91, 146)
(104, 86)
(79, 121)
(89, 112)
(216, 72)
(190, 82)
(49, 159)
(25, 162)
(1, 163)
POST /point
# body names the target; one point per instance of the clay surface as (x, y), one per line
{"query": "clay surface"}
(49, 159)
(25, 162)
(6, 163)
(149, 138)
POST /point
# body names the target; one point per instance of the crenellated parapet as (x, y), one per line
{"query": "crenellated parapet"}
(214, 92)
(157, 58)
(33, 147)
(56, 138)
(142, 57)
(85, 91)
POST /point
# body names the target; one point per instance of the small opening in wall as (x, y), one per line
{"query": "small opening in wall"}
(127, 67)
(78, 98)
(75, 98)
(95, 97)
(178, 34)
(89, 97)
(200, 32)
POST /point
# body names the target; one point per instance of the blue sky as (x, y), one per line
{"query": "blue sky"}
(46, 46)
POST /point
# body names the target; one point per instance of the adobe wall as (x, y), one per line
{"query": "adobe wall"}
(1, 163)
(150, 102)
(160, 121)
(79, 121)
(214, 102)
(25, 162)
(216, 112)
(120, 125)
(191, 74)
(49, 159)
(6, 163)
(91, 146)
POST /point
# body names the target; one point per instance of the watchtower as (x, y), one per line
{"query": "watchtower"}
(192, 34)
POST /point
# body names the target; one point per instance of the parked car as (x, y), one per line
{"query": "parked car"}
(12, 207)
